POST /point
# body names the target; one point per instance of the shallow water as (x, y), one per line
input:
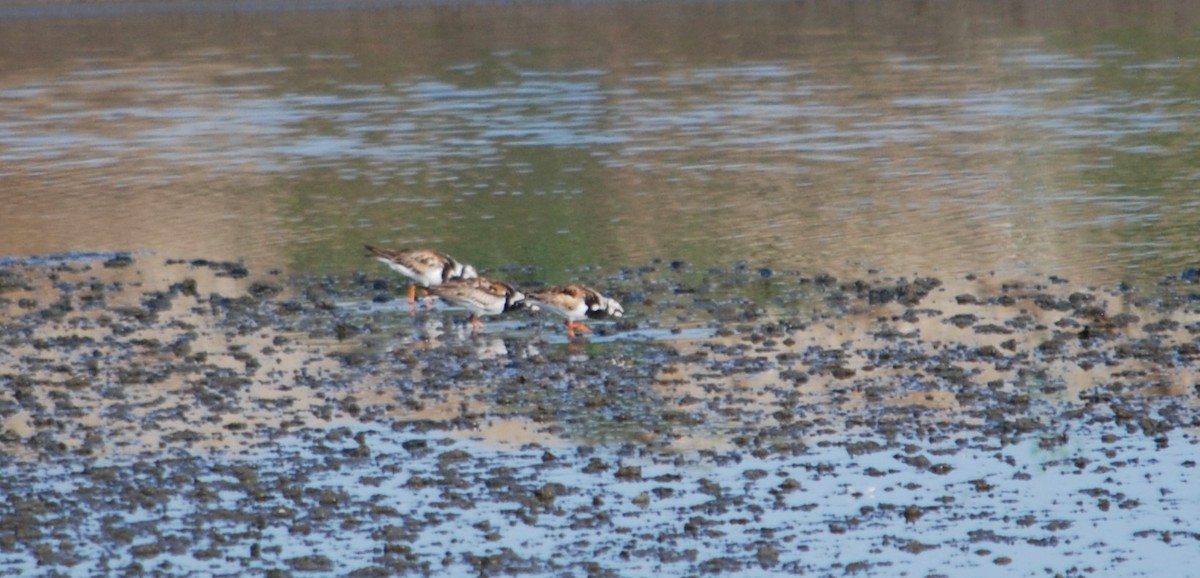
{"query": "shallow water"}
(1053, 138)
(845, 515)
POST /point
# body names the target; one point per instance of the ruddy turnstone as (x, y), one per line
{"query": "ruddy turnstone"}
(576, 303)
(425, 267)
(480, 295)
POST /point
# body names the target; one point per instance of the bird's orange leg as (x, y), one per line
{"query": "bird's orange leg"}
(412, 294)
(573, 326)
(476, 323)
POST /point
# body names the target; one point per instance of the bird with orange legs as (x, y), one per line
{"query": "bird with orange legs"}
(576, 303)
(481, 296)
(425, 267)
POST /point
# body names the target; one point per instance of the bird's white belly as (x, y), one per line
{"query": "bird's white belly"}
(428, 279)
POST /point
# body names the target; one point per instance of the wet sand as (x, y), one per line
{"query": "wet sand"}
(189, 417)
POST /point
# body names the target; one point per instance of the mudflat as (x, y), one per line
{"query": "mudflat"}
(173, 417)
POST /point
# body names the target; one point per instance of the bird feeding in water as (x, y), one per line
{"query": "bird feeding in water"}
(481, 296)
(576, 303)
(425, 267)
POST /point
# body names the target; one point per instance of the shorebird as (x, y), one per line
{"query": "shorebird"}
(425, 267)
(576, 303)
(480, 295)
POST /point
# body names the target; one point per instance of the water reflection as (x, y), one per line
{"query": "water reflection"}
(798, 135)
